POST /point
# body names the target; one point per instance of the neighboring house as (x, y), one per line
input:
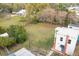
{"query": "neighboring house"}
(22, 52)
(4, 35)
(21, 12)
(65, 40)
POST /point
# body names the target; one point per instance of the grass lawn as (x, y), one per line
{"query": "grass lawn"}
(11, 21)
(39, 33)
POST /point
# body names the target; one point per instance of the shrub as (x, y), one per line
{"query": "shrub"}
(50, 15)
(2, 30)
(5, 41)
(66, 22)
(18, 33)
(47, 15)
(35, 21)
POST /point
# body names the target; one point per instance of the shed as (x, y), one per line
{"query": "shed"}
(22, 52)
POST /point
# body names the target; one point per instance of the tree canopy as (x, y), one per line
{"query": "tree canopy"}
(18, 33)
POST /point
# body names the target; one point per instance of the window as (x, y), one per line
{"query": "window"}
(69, 41)
(61, 39)
(70, 27)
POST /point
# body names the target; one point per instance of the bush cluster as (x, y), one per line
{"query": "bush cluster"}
(17, 32)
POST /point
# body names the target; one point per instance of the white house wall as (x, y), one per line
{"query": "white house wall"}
(58, 42)
(63, 32)
(71, 47)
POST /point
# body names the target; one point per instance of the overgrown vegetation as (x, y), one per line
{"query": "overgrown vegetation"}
(2, 30)
(45, 44)
(6, 41)
(66, 22)
(18, 33)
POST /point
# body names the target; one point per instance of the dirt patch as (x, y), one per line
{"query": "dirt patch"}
(76, 52)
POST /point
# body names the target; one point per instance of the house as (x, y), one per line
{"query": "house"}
(22, 52)
(4, 35)
(21, 12)
(65, 40)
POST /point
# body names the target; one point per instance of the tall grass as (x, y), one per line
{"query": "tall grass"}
(45, 43)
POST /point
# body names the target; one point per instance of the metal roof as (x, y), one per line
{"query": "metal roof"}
(22, 52)
(76, 25)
